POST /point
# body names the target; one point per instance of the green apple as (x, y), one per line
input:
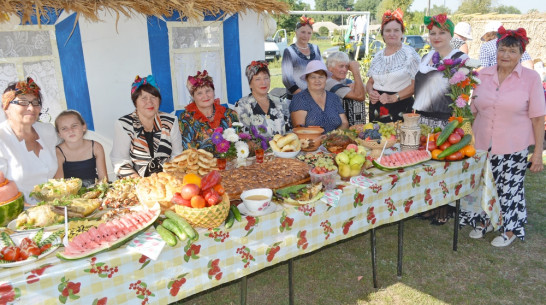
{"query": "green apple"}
(342, 158)
(357, 159)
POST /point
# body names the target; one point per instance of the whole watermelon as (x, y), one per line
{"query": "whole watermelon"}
(9, 210)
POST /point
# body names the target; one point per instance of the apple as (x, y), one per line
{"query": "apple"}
(445, 145)
(459, 131)
(189, 190)
(432, 145)
(454, 138)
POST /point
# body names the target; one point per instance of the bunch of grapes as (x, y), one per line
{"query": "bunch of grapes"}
(387, 130)
(425, 129)
(371, 133)
(323, 165)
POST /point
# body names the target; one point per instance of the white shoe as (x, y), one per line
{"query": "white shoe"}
(480, 231)
(503, 240)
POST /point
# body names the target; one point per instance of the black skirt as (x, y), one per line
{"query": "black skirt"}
(390, 112)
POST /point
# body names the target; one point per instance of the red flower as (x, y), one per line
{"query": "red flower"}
(441, 18)
(383, 111)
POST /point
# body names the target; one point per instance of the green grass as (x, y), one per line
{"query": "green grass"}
(433, 274)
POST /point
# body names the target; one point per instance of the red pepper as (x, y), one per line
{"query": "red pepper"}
(210, 180)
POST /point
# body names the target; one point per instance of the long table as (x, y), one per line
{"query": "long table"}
(221, 255)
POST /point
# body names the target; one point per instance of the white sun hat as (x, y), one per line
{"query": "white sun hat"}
(492, 26)
(463, 29)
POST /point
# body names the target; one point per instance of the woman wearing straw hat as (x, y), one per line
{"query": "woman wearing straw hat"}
(461, 34)
(315, 106)
(392, 72)
(145, 138)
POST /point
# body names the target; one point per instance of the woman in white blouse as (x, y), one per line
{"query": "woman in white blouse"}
(392, 73)
(27, 153)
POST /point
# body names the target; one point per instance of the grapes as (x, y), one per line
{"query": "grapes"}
(425, 129)
(379, 130)
(326, 163)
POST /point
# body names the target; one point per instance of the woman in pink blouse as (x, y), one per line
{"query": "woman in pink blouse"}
(509, 107)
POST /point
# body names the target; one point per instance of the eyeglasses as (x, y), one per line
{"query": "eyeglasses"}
(35, 103)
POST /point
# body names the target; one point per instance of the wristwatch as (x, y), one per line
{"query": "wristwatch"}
(397, 97)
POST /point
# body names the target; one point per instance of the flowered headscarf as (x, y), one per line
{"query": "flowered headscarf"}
(389, 16)
(440, 21)
(201, 79)
(254, 67)
(150, 79)
(21, 88)
(305, 21)
(520, 34)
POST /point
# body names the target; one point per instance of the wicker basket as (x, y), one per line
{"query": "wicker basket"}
(210, 217)
(375, 147)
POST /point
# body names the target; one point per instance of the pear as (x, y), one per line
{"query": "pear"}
(355, 172)
(357, 159)
(344, 170)
(342, 158)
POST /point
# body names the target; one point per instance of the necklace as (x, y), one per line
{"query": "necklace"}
(303, 48)
(212, 115)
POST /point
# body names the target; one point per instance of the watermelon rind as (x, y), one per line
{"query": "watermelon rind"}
(11, 210)
(388, 168)
(112, 245)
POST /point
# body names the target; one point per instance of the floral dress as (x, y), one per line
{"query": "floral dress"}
(197, 130)
(276, 120)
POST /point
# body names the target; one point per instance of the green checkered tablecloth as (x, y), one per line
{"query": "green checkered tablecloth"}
(221, 255)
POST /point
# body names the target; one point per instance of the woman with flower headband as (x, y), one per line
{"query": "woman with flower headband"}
(259, 108)
(392, 72)
(509, 108)
(27, 152)
(431, 86)
(296, 57)
(145, 138)
(204, 114)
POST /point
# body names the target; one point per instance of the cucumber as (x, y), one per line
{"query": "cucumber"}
(166, 235)
(236, 213)
(455, 147)
(51, 238)
(7, 240)
(444, 135)
(182, 223)
(230, 220)
(171, 225)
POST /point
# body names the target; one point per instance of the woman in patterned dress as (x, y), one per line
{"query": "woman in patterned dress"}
(296, 57)
(392, 73)
(259, 108)
(145, 138)
(204, 114)
(509, 108)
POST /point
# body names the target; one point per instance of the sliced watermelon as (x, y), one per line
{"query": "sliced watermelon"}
(109, 235)
(403, 159)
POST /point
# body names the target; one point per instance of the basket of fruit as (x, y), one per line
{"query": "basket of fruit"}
(324, 171)
(375, 136)
(206, 206)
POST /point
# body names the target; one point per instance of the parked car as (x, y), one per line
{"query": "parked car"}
(274, 47)
(415, 41)
(375, 46)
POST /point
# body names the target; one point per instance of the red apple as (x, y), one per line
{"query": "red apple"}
(189, 190)
(445, 145)
(459, 131)
(432, 145)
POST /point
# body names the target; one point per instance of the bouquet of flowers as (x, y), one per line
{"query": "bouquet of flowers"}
(462, 79)
(232, 143)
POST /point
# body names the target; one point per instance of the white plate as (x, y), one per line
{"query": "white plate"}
(18, 237)
(12, 226)
(271, 209)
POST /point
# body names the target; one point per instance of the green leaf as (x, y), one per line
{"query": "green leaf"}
(62, 299)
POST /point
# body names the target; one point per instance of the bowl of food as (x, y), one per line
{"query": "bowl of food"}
(286, 154)
(56, 189)
(311, 137)
(257, 201)
(327, 178)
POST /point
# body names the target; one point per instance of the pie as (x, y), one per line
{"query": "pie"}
(273, 174)
(159, 187)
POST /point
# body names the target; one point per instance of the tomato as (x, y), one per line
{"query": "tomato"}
(432, 145)
(459, 131)
(198, 202)
(436, 135)
(468, 151)
(455, 156)
(435, 154)
(11, 253)
(210, 180)
(454, 138)
(445, 145)
(189, 190)
(45, 247)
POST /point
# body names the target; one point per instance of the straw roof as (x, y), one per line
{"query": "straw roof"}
(192, 9)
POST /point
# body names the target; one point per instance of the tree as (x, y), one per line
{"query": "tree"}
(392, 5)
(438, 9)
(333, 5)
(285, 21)
(475, 6)
(367, 6)
(505, 9)
(323, 31)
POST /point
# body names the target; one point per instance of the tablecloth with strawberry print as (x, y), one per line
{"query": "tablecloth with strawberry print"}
(222, 255)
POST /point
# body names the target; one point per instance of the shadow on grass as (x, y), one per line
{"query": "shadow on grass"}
(432, 272)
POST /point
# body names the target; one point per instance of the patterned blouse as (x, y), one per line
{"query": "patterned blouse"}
(197, 129)
(276, 120)
(131, 152)
(293, 66)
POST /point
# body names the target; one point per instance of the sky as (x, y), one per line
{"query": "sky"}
(522, 5)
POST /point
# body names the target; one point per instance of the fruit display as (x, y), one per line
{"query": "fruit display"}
(450, 144)
(351, 160)
(109, 235)
(200, 193)
(24, 247)
(402, 159)
(325, 172)
(11, 200)
(323, 165)
(375, 131)
(196, 161)
(287, 143)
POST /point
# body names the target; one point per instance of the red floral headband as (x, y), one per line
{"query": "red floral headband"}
(21, 88)
(201, 79)
(441, 21)
(305, 21)
(520, 34)
(393, 15)
(254, 67)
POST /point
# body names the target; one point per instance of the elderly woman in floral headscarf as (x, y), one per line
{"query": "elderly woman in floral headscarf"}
(204, 114)
(27, 152)
(259, 108)
(145, 138)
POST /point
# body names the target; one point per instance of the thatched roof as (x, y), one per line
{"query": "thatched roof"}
(192, 9)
